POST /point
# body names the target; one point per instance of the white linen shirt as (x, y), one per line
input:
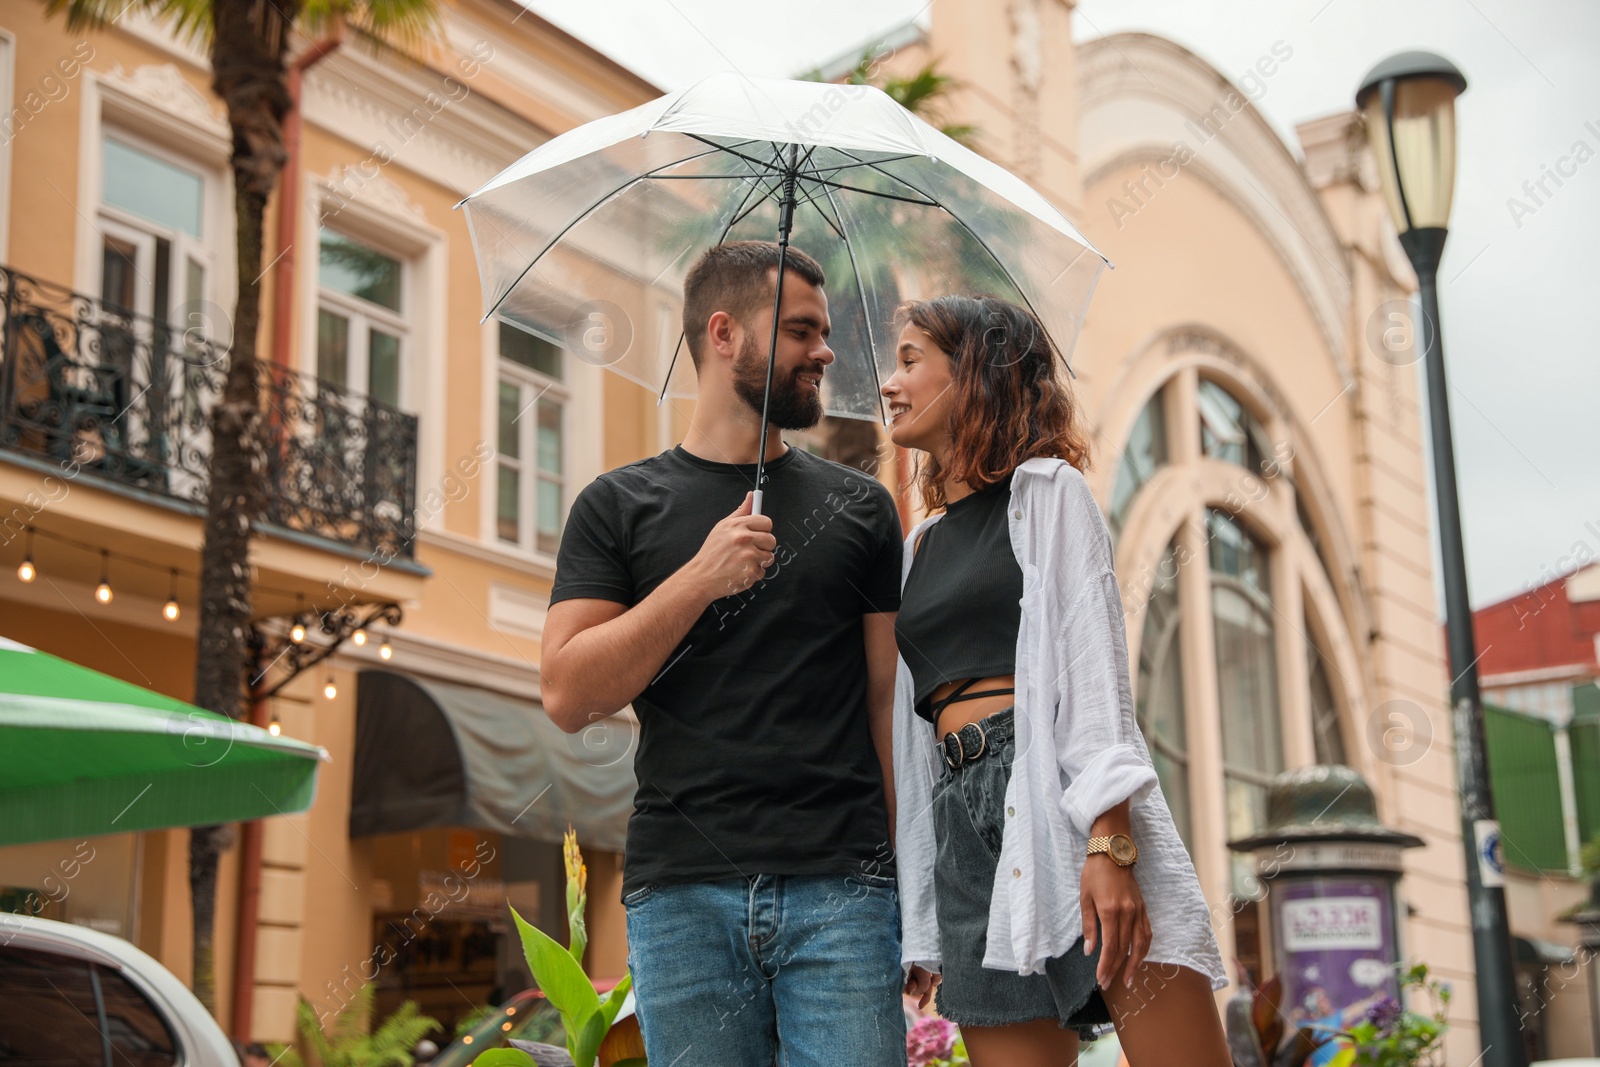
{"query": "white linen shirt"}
(1079, 751)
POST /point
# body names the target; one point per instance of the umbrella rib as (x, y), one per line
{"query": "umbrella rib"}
(892, 177)
(878, 193)
(860, 163)
(768, 166)
(583, 215)
(866, 314)
(810, 198)
(733, 220)
(981, 244)
(759, 201)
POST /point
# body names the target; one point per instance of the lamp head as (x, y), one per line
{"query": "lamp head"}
(1409, 104)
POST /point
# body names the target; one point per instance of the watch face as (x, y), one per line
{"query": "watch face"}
(1122, 849)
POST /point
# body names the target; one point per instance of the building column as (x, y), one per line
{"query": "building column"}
(284, 848)
(1202, 713)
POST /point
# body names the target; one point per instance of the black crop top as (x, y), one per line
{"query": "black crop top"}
(961, 606)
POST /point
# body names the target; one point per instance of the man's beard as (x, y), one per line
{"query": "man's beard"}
(793, 406)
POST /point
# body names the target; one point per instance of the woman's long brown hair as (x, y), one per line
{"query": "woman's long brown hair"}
(1011, 398)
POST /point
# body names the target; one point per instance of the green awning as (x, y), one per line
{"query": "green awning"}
(83, 753)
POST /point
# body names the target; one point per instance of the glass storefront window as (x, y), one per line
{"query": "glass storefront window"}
(1145, 453)
(1247, 677)
(1160, 692)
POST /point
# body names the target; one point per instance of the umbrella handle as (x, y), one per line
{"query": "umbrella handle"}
(755, 504)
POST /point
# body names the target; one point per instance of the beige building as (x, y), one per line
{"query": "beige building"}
(1258, 441)
(116, 252)
(1258, 457)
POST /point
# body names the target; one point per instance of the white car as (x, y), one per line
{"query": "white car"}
(72, 995)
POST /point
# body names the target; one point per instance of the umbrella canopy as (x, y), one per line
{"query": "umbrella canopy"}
(589, 236)
(82, 753)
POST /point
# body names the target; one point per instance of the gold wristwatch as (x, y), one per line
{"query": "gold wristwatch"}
(1119, 847)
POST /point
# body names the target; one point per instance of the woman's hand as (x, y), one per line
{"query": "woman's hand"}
(921, 983)
(1111, 894)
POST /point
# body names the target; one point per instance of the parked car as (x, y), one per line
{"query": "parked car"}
(74, 996)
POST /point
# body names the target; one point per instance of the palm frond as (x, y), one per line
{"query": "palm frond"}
(406, 26)
(191, 19)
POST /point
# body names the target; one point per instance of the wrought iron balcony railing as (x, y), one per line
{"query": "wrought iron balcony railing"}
(127, 400)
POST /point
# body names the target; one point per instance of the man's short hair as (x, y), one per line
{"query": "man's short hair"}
(732, 277)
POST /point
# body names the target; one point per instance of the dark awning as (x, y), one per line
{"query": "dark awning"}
(439, 754)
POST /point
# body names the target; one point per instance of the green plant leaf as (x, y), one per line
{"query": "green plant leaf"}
(613, 1002)
(558, 974)
(586, 1045)
(505, 1057)
(1343, 1058)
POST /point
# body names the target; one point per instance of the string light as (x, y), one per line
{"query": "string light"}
(274, 727)
(330, 690)
(385, 651)
(102, 592)
(26, 571)
(359, 637)
(171, 610)
(297, 632)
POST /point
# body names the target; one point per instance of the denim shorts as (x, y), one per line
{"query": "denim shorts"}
(968, 820)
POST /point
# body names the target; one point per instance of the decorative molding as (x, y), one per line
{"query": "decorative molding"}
(1027, 62)
(517, 611)
(1254, 169)
(152, 29)
(532, 565)
(432, 124)
(165, 88)
(348, 184)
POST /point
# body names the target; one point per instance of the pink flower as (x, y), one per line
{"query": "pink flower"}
(930, 1039)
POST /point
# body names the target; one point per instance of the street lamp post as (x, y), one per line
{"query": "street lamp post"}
(1409, 102)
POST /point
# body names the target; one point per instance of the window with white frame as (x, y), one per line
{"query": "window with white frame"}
(531, 402)
(362, 325)
(155, 256)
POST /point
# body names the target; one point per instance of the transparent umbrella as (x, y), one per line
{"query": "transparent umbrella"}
(588, 237)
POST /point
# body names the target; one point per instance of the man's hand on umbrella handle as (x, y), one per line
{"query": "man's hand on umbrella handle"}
(737, 552)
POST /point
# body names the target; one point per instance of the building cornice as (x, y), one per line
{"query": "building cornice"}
(1255, 171)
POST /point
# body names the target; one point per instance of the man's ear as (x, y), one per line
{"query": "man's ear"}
(723, 334)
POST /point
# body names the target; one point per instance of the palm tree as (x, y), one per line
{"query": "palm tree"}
(250, 43)
(926, 94)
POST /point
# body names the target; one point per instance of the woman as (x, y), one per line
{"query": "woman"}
(1039, 867)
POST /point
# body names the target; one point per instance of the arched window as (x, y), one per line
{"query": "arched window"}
(1144, 454)
(1160, 688)
(1247, 673)
(1326, 734)
(1229, 432)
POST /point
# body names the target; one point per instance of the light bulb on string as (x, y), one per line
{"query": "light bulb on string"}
(25, 570)
(385, 651)
(330, 690)
(359, 637)
(170, 610)
(297, 632)
(274, 727)
(102, 592)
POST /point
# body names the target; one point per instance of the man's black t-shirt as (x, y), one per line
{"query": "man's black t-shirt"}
(754, 752)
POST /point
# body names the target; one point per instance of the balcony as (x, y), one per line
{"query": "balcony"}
(129, 398)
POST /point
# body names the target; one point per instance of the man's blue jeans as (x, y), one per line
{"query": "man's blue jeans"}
(797, 971)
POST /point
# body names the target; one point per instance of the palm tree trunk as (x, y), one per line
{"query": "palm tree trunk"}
(248, 54)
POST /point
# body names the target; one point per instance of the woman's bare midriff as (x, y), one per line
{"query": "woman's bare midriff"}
(960, 712)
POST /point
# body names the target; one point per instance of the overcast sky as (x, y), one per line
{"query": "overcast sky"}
(1519, 293)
